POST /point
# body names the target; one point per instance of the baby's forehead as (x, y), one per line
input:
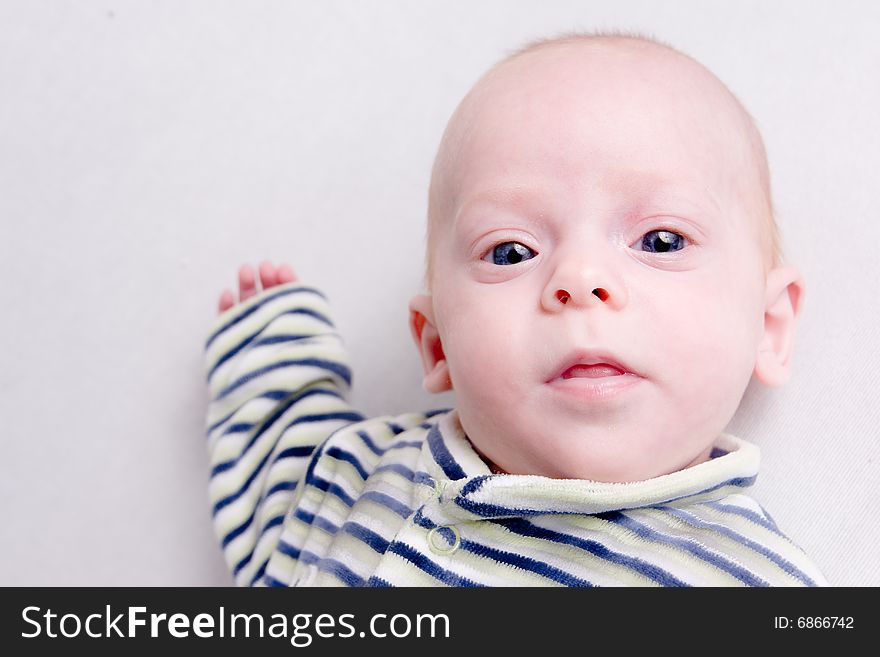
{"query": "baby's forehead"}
(599, 86)
(580, 113)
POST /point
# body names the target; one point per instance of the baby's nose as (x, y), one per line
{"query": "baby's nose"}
(581, 287)
(564, 296)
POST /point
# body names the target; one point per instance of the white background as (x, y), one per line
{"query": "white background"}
(149, 148)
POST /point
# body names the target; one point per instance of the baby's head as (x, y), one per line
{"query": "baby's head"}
(603, 268)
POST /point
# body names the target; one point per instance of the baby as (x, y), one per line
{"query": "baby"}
(603, 281)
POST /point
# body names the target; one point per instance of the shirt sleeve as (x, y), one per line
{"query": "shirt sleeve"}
(277, 377)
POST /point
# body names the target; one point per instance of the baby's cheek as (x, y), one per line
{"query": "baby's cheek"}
(480, 355)
(718, 357)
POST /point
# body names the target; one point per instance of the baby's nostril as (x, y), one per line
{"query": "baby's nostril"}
(602, 293)
(563, 296)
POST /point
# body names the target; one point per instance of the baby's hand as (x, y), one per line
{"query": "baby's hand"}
(270, 276)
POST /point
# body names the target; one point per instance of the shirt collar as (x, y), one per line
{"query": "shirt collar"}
(465, 489)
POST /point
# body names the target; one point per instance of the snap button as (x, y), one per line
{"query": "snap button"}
(440, 545)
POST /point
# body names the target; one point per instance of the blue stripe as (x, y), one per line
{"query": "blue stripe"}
(341, 571)
(277, 339)
(281, 394)
(494, 510)
(764, 551)
(238, 427)
(312, 519)
(322, 523)
(526, 563)
(333, 567)
(221, 467)
(295, 452)
(402, 444)
(756, 518)
(275, 395)
(367, 536)
(309, 557)
(238, 531)
(387, 501)
(423, 563)
(253, 341)
(338, 369)
(370, 538)
(441, 455)
(767, 513)
(379, 451)
(259, 574)
(402, 470)
(348, 457)
(229, 499)
(644, 568)
(688, 545)
(395, 428)
(283, 485)
(251, 310)
(273, 522)
(212, 427)
(268, 580)
(306, 516)
(241, 564)
(288, 550)
(333, 489)
(516, 560)
(279, 410)
(366, 440)
(378, 582)
(739, 482)
(347, 416)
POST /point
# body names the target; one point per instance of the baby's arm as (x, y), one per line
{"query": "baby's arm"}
(277, 374)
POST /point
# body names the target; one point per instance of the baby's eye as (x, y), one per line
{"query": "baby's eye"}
(661, 241)
(510, 253)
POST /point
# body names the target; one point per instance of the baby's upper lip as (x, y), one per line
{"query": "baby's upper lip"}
(591, 357)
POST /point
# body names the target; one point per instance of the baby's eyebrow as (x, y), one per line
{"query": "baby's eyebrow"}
(635, 192)
(655, 189)
(529, 204)
(514, 197)
(682, 201)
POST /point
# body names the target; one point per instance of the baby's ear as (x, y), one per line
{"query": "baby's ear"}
(427, 339)
(782, 305)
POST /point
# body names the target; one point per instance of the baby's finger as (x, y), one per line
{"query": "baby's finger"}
(226, 301)
(285, 274)
(247, 283)
(268, 277)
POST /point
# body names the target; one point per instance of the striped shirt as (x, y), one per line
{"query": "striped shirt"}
(306, 491)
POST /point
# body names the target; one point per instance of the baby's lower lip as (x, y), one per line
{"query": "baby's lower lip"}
(595, 385)
(591, 371)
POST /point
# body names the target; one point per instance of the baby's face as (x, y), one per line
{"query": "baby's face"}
(599, 283)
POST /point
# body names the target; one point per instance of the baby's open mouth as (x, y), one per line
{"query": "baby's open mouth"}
(596, 371)
(591, 364)
(589, 376)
